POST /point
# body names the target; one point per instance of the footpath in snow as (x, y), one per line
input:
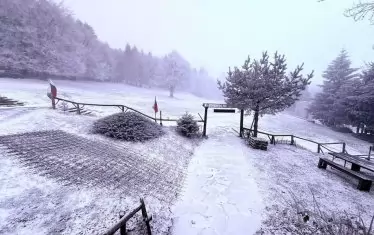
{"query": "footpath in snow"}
(220, 195)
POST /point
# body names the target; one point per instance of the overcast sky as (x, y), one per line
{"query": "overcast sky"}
(216, 34)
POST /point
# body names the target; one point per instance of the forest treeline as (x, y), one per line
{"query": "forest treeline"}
(40, 38)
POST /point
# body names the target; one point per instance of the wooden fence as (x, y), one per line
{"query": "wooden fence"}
(121, 225)
(79, 107)
(292, 140)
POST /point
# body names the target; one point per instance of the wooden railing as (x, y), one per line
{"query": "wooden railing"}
(79, 106)
(121, 225)
(273, 140)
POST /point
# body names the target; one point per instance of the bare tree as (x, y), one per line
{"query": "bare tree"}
(361, 10)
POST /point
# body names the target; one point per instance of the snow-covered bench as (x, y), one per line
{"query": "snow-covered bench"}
(257, 143)
(364, 182)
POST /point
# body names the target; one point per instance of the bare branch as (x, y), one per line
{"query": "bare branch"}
(361, 10)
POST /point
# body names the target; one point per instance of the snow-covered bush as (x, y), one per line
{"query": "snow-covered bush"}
(187, 126)
(342, 129)
(128, 126)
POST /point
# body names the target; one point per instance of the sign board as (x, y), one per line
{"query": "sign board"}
(212, 105)
(224, 110)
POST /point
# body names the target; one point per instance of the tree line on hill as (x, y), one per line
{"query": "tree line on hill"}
(41, 39)
(347, 96)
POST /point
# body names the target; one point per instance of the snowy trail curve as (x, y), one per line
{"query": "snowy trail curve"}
(220, 196)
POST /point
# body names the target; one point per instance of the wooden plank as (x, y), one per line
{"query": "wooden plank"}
(367, 164)
(346, 170)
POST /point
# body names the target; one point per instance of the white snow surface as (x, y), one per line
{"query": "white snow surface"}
(227, 187)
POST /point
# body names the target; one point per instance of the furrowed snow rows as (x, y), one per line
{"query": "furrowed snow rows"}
(74, 160)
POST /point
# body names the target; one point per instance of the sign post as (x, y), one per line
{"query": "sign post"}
(241, 123)
(221, 108)
(205, 120)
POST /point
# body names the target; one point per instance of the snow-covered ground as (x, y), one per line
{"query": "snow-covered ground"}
(221, 196)
(227, 184)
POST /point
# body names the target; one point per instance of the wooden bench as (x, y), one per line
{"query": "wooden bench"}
(257, 143)
(364, 182)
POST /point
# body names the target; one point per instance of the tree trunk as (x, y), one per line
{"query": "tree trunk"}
(358, 128)
(171, 90)
(255, 120)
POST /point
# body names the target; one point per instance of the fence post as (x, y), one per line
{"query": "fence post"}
(53, 102)
(292, 140)
(145, 217)
(160, 118)
(272, 140)
(122, 230)
(370, 149)
(319, 148)
(78, 109)
(343, 150)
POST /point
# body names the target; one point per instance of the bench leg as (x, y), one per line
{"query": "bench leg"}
(355, 167)
(364, 185)
(322, 164)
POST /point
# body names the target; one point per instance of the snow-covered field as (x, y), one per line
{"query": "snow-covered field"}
(228, 187)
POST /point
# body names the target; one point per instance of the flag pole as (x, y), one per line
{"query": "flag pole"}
(155, 117)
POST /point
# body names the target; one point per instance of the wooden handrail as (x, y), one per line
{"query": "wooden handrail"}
(121, 225)
(123, 221)
(121, 106)
(320, 145)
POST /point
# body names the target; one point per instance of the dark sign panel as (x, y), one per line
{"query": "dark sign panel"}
(224, 110)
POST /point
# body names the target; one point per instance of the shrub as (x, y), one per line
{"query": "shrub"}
(128, 126)
(365, 137)
(187, 126)
(342, 129)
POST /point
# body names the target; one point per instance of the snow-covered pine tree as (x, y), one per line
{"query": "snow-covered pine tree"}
(327, 106)
(359, 99)
(263, 86)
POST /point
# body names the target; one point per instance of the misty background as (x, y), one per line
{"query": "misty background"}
(217, 34)
(175, 45)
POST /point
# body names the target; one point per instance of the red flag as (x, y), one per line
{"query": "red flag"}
(155, 106)
(53, 89)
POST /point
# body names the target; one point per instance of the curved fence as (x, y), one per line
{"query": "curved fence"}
(295, 140)
(78, 107)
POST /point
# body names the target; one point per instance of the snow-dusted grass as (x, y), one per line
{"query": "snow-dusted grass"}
(227, 186)
(89, 207)
(285, 170)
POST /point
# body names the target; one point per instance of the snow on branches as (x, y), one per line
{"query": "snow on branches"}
(264, 85)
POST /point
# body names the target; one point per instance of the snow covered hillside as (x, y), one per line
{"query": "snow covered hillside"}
(220, 185)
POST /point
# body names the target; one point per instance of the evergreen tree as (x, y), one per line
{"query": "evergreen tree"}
(359, 99)
(327, 106)
(263, 86)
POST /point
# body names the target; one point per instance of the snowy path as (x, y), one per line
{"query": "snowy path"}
(220, 196)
